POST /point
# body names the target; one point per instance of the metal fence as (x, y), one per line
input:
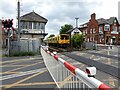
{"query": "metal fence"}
(67, 76)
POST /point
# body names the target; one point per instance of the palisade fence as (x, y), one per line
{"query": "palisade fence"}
(25, 45)
(67, 76)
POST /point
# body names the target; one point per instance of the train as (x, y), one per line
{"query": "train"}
(62, 40)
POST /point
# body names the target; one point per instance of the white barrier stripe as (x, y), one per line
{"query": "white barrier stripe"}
(90, 81)
(61, 61)
(52, 54)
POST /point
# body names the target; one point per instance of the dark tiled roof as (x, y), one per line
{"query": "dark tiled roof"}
(32, 16)
(111, 19)
(69, 31)
(102, 21)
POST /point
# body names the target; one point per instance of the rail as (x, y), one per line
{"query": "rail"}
(68, 76)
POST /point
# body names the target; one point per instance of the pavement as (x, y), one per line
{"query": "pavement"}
(30, 72)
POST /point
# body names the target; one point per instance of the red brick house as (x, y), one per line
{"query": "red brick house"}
(101, 31)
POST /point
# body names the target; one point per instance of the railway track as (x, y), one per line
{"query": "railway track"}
(59, 49)
(114, 71)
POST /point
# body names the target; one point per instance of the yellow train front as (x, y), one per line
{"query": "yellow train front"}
(62, 40)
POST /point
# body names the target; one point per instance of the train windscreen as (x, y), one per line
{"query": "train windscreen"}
(64, 37)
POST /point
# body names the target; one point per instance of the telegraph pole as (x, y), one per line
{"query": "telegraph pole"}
(19, 19)
(18, 5)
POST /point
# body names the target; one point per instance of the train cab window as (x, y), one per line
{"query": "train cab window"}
(64, 37)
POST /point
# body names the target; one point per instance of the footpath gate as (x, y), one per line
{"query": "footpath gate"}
(67, 76)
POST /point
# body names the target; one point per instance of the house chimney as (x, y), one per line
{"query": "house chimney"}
(93, 16)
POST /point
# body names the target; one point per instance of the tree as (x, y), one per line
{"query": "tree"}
(52, 35)
(77, 40)
(65, 28)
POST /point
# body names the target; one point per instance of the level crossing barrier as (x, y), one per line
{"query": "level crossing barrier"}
(67, 76)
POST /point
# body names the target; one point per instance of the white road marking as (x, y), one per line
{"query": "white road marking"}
(22, 74)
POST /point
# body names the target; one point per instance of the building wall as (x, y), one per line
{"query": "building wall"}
(94, 34)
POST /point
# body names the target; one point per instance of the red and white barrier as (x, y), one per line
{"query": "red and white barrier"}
(91, 82)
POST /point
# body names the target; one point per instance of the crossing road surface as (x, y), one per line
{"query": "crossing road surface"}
(25, 72)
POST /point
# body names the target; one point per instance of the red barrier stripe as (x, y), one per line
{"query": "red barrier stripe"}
(56, 57)
(70, 67)
(104, 87)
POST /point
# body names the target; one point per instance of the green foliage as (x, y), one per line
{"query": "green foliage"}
(52, 35)
(77, 40)
(65, 28)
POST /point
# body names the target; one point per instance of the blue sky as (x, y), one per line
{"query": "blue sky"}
(60, 12)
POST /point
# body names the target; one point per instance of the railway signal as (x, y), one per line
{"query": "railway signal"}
(7, 24)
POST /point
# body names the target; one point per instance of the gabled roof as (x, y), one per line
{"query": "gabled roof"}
(111, 19)
(32, 16)
(102, 21)
(69, 31)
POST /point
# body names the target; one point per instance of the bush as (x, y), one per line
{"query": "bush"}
(77, 40)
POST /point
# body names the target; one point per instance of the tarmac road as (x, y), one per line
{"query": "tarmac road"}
(19, 73)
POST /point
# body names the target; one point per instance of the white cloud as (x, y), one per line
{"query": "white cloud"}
(60, 12)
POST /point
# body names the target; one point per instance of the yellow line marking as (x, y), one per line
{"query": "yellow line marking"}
(111, 81)
(10, 64)
(29, 84)
(14, 84)
(65, 80)
(38, 83)
(9, 72)
(22, 67)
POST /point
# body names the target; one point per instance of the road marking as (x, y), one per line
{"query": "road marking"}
(38, 83)
(14, 84)
(9, 72)
(23, 67)
(109, 61)
(18, 60)
(111, 81)
(65, 80)
(11, 65)
(22, 74)
(31, 84)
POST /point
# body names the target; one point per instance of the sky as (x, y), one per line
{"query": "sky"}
(60, 12)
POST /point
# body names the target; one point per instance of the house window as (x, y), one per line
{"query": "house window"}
(25, 25)
(30, 25)
(35, 25)
(114, 28)
(93, 30)
(107, 27)
(42, 26)
(39, 26)
(90, 38)
(86, 31)
(90, 30)
(93, 38)
(119, 28)
(100, 29)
